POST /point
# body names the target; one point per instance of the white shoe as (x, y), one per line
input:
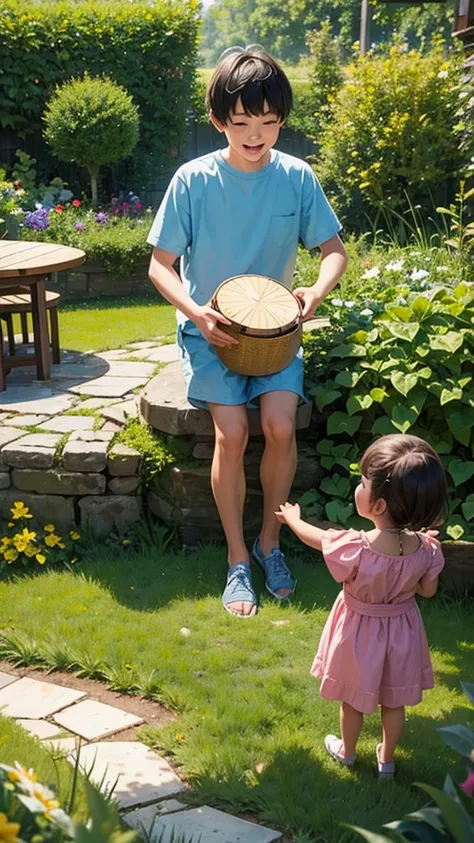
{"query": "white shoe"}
(334, 746)
(386, 769)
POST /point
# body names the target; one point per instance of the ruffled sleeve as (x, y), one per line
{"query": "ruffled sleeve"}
(341, 550)
(436, 558)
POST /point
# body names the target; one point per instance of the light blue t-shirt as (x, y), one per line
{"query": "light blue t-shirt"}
(225, 222)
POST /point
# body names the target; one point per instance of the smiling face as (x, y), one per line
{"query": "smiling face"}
(250, 137)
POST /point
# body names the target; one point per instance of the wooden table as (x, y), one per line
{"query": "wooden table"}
(28, 263)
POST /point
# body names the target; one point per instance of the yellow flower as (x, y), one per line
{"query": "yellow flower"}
(61, 545)
(125, 542)
(74, 536)
(22, 540)
(10, 555)
(350, 170)
(6, 541)
(11, 524)
(41, 558)
(49, 528)
(52, 540)
(19, 510)
(8, 831)
(30, 550)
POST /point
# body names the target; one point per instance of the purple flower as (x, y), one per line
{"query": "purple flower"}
(79, 226)
(101, 217)
(38, 219)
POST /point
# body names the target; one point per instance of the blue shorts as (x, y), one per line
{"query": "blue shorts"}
(208, 380)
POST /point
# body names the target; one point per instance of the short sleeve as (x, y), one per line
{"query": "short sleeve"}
(436, 563)
(341, 550)
(318, 221)
(172, 229)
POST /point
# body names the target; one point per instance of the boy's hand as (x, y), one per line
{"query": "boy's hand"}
(309, 301)
(207, 320)
(289, 514)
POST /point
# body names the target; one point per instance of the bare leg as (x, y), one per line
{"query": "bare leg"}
(278, 466)
(393, 724)
(228, 481)
(351, 722)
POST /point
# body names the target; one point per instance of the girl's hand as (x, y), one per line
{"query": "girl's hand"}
(289, 514)
(207, 320)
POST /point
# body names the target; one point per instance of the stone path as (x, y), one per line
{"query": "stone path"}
(147, 788)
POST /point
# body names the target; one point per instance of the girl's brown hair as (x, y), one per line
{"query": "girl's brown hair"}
(408, 475)
(256, 78)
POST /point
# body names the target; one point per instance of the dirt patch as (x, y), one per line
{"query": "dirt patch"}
(151, 712)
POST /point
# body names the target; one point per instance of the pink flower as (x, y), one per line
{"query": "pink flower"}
(59, 209)
(468, 785)
(76, 203)
(125, 206)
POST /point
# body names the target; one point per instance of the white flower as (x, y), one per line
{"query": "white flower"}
(38, 206)
(442, 268)
(394, 266)
(185, 631)
(371, 273)
(419, 274)
(349, 304)
(415, 254)
(337, 302)
(443, 74)
(367, 312)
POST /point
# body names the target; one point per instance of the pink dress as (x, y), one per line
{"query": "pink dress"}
(373, 649)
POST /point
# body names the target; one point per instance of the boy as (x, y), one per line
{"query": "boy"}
(242, 210)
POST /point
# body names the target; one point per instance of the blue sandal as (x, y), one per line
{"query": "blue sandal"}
(277, 573)
(239, 589)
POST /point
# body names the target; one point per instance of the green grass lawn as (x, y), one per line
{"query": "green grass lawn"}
(103, 324)
(242, 689)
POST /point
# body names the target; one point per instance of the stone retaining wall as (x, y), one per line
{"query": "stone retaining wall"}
(82, 482)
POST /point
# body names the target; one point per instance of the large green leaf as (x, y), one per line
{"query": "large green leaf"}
(447, 395)
(378, 394)
(421, 307)
(338, 513)
(336, 486)
(349, 379)
(343, 423)
(370, 836)
(451, 341)
(382, 426)
(325, 446)
(460, 423)
(460, 470)
(403, 314)
(403, 383)
(356, 403)
(403, 330)
(459, 738)
(326, 398)
(348, 350)
(405, 415)
(454, 815)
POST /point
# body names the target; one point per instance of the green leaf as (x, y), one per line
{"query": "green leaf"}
(403, 417)
(447, 395)
(349, 379)
(328, 463)
(460, 423)
(455, 531)
(422, 350)
(454, 815)
(460, 470)
(370, 836)
(403, 330)
(328, 397)
(425, 373)
(378, 394)
(336, 486)
(309, 497)
(404, 314)
(382, 426)
(348, 350)
(337, 512)
(343, 423)
(459, 738)
(451, 341)
(356, 403)
(421, 306)
(468, 688)
(443, 447)
(403, 383)
(325, 446)
(468, 508)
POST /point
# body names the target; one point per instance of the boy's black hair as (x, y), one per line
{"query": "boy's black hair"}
(256, 78)
(408, 474)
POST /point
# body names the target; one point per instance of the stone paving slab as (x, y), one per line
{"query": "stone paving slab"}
(92, 720)
(115, 354)
(165, 354)
(33, 700)
(6, 679)
(40, 728)
(27, 421)
(9, 434)
(130, 369)
(97, 403)
(29, 399)
(144, 776)
(39, 440)
(207, 825)
(117, 412)
(93, 368)
(64, 424)
(146, 817)
(108, 387)
(92, 435)
(147, 344)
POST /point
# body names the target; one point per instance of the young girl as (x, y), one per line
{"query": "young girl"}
(373, 649)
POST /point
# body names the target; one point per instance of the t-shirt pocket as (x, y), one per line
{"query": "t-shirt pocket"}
(282, 229)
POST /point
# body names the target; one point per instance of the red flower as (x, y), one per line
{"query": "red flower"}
(59, 209)
(366, 264)
(76, 203)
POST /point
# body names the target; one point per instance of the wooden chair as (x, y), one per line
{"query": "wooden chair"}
(18, 300)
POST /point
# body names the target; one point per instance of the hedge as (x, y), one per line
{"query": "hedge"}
(148, 48)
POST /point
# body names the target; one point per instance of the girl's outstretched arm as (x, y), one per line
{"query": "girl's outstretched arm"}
(290, 514)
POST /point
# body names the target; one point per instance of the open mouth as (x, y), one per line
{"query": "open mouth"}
(254, 149)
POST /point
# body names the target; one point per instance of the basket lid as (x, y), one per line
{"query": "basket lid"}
(257, 303)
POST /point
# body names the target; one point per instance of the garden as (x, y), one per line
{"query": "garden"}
(100, 99)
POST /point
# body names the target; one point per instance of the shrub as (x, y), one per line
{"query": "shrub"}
(326, 73)
(406, 365)
(92, 122)
(392, 132)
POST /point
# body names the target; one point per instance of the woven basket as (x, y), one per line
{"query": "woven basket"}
(265, 318)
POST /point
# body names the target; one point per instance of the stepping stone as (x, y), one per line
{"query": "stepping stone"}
(144, 776)
(40, 728)
(108, 387)
(7, 679)
(34, 700)
(146, 817)
(64, 424)
(27, 421)
(130, 369)
(91, 719)
(117, 413)
(115, 354)
(92, 435)
(9, 434)
(141, 344)
(96, 403)
(165, 354)
(27, 399)
(92, 369)
(210, 826)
